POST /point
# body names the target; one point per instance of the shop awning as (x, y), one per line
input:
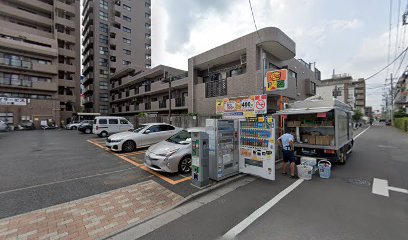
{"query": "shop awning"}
(303, 111)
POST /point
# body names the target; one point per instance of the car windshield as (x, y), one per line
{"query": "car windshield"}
(182, 137)
(140, 128)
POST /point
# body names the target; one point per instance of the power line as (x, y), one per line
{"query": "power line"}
(253, 18)
(375, 74)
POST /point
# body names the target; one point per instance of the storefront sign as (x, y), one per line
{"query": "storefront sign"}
(276, 80)
(241, 107)
(13, 101)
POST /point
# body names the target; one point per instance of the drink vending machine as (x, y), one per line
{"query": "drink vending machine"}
(257, 146)
(199, 157)
(223, 146)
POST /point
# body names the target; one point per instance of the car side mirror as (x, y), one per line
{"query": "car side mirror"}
(147, 131)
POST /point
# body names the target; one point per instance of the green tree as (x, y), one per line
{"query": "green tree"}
(357, 115)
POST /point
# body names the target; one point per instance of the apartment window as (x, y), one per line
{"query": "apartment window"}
(126, 7)
(126, 62)
(292, 74)
(148, 46)
(148, 66)
(103, 4)
(103, 27)
(127, 30)
(127, 41)
(104, 99)
(148, 36)
(126, 18)
(147, 4)
(103, 85)
(103, 50)
(148, 26)
(147, 16)
(148, 56)
(103, 39)
(103, 62)
(103, 15)
(103, 73)
(127, 52)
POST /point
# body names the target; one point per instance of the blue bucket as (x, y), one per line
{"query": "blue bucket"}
(324, 168)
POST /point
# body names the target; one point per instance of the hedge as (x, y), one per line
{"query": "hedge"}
(402, 123)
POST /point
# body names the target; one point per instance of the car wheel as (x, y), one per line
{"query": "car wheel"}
(88, 131)
(129, 146)
(103, 134)
(73, 128)
(185, 165)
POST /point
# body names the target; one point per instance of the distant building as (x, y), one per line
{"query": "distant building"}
(137, 90)
(345, 89)
(39, 61)
(236, 69)
(368, 111)
(116, 35)
(401, 93)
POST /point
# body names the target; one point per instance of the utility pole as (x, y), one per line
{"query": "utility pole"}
(392, 101)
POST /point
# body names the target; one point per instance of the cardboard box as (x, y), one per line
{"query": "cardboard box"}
(307, 138)
(324, 140)
(293, 124)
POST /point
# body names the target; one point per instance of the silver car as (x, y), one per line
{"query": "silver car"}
(173, 154)
(143, 136)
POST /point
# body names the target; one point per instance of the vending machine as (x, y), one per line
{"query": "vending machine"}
(199, 163)
(257, 146)
(223, 148)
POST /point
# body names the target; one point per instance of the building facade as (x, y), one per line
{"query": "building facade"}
(236, 69)
(345, 89)
(401, 93)
(136, 90)
(39, 61)
(116, 35)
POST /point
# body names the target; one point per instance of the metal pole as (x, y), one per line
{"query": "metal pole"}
(170, 100)
(392, 102)
(263, 74)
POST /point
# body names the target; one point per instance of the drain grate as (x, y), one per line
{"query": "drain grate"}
(358, 181)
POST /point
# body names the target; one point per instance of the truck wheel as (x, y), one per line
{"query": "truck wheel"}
(343, 157)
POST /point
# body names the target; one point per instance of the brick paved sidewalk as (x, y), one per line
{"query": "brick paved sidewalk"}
(93, 217)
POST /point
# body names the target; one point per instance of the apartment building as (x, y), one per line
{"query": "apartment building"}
(137, 90)
(346, 89)
(116, 35)
(39, 60)
(360, 94)
(236, 69)
(401, 93)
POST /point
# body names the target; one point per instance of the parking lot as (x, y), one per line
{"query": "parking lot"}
(44, 168)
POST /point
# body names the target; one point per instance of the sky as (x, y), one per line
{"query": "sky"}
(348, 36)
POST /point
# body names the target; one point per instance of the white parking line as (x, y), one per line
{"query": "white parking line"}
(358, 135)
(67, 180)
(231, 234)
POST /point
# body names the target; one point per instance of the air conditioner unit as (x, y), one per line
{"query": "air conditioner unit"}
(243, 59)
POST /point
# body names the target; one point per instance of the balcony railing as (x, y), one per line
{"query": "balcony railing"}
(180, 102)
(148, 88)
(148, 106)
(16, 63)
(162, 104)
(216, 88)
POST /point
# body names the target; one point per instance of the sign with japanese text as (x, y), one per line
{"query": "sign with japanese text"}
(13, 101)
(241, 107)
(276, 80)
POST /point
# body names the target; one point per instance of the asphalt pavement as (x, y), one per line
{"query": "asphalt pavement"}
(41, 168)
(342, 207)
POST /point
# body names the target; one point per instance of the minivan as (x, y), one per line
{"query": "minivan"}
(105, 125)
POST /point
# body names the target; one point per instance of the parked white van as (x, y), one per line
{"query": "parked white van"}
(103, 126)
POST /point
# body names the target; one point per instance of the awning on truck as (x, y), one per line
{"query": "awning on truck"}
(303, 111)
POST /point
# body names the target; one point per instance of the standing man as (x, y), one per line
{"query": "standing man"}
(287, 142)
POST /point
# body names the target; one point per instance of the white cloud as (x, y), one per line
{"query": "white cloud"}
(324, 33)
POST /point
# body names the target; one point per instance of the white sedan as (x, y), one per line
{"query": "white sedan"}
(143, 136)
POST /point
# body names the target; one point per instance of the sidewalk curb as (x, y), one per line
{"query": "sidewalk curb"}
(185, 200)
